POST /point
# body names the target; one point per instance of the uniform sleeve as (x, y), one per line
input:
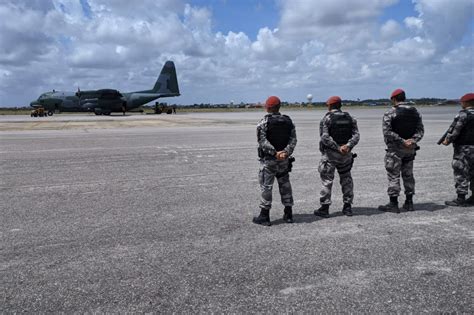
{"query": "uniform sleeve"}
(326, 139)
(388, 134)
(420, 130)
(355, 135)
(460, 120)
(263, 142)
(292, 142)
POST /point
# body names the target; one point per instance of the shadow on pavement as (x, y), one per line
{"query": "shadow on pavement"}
(429, 206)
(299, 218)
(310, 217)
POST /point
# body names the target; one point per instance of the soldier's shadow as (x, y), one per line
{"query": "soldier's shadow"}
(299, 218)
(359, 211)
(367, 211)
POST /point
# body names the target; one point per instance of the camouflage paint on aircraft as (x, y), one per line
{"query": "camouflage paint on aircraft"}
(105, 101)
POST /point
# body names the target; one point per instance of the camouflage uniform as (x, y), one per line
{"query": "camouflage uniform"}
(463, 158)
(270, 167)
(332, 159)
(398, 158)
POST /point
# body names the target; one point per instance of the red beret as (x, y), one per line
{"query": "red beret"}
(272, 101)
(467, 98)
(333, 100)
(396, 92)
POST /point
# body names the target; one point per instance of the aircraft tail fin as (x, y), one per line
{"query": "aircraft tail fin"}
(167, 83)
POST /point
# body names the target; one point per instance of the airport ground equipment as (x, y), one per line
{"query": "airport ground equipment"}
(41, 112)
(163, 108)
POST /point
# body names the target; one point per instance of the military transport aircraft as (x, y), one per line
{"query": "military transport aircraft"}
(106, 101)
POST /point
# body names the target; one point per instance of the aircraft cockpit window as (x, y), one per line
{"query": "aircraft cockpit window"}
(45, 95)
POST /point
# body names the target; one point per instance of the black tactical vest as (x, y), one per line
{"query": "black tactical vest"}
(279, 131)
(405, 121)
(466, 137)
(340, 127)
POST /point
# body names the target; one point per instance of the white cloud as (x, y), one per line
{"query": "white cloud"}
(307, 19)
(71, 10)
(390, 29)
(414, 23)
(269, 46)
(445, 21)
(409, 50)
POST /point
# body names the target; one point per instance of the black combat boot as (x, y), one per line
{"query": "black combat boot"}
(323, 211)
(460, 201)
(408, 205)
(347, 209)
(392, 206)
(288, 214)
(263, 218)
(470, 200)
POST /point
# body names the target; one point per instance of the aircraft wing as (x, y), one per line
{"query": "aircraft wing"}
(104, 94)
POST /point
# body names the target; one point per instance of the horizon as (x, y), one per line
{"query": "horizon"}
(346, 102)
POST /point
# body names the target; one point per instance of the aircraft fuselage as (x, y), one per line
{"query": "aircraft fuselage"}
(82, 102)
(109, 100)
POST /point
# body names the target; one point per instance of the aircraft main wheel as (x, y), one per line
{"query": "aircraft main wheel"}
(50, 113)
(169, 111)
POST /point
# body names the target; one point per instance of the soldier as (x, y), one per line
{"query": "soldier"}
(339, 135)
(402, 130)
(461, 135)
(276, 136)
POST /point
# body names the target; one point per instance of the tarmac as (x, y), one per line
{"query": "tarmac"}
(153, 214)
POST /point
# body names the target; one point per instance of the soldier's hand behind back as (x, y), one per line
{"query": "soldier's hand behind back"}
(445, 142)
(281, 155)
(344, 149)
(409, 143)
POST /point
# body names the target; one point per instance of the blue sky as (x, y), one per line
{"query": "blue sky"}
(238, 50)
(399, 11)
(241, 16)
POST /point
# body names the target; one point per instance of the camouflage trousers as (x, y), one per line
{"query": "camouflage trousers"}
(269, 170)
(396, 163)
(327, 168)
(463, 167)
